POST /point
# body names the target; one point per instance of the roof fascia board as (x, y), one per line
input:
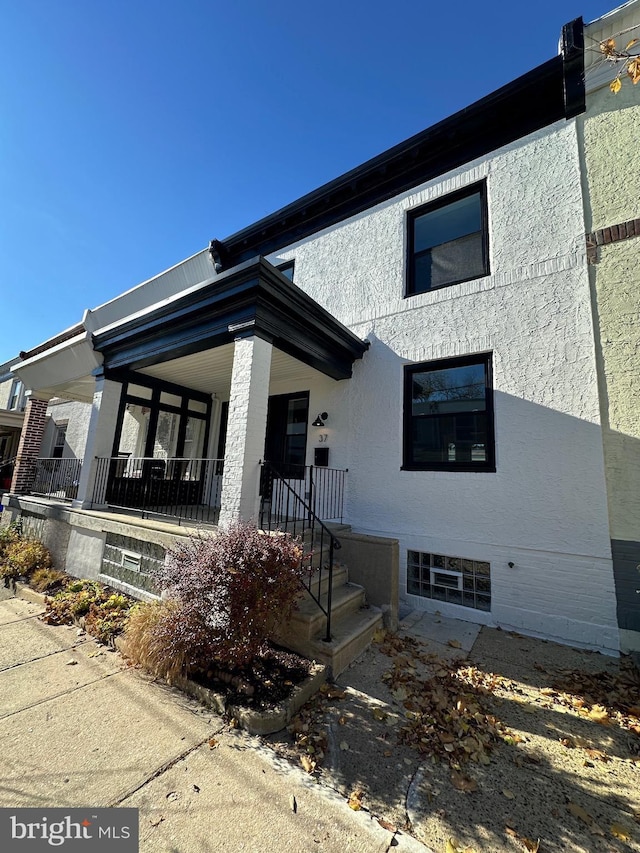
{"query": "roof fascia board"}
(253, 299)
(530, 102)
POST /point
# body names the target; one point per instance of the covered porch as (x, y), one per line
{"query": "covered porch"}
(191, 395)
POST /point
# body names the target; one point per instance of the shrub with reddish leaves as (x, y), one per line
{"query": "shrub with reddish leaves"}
(227, 594)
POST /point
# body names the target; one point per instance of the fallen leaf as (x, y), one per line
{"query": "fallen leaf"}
(355, 800)
(400, 693)
(155, 821)
(213, 743)
(620, 831)
(334, 693)
(173, 795)
(508, 794)
(599, 715)
(379, 635)
(342, 721)
(344, 746)
(379, 714)
(527, 843)
(585, 817)
(463, 783)
(455, 644)
(307, 763)
(598, 754)
(386, 825)
(72, 662)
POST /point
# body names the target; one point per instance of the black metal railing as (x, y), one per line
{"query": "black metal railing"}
(291, 500)
(55, 478)
(182, 489)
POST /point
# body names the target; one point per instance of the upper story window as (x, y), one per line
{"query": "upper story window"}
(59, 441)
(448, 415)
(16, 396)
(448, 241)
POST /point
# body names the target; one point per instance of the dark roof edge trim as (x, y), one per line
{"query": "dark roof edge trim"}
(547, 93)
(573, 67)
(53, 342)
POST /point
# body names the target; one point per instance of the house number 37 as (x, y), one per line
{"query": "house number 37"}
(323, 437)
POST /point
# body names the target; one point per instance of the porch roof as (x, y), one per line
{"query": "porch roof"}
(252, 298)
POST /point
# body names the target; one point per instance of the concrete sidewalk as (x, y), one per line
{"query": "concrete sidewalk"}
(80, 728)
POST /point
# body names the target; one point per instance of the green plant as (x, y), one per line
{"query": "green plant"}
(106, 620)
(22, 557)
(47, 580)
(9, 535)
(73, 601)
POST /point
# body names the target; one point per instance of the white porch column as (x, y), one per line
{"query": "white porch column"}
(246, 429)
(100, 436)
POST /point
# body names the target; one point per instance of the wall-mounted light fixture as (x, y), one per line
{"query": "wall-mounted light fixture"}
(320, 419)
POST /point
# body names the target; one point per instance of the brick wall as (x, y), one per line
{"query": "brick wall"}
(29, 448)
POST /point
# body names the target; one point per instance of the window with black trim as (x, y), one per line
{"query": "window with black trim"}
(448, 415)
(448, 241)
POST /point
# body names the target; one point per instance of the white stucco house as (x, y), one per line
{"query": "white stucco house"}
(410, 346)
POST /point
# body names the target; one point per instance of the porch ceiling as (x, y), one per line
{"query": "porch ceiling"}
(210, 371)
(253, 298)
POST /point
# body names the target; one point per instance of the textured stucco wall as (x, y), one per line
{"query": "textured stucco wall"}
(76, 415)
(612, 196)
(545, 507)
(5, 390)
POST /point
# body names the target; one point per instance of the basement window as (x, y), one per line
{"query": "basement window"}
(131, 561)
(455, 580)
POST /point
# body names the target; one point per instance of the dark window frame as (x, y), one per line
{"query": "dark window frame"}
(486, 466)
(480, 189)
(154, 404)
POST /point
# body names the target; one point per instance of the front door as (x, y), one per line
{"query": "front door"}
(286, 438)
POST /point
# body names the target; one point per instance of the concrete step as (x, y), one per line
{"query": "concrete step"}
(320, 581)
(308, 621)
(350, 637)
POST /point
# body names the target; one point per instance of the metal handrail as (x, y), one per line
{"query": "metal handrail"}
(185, 488)
(55, 477)
(298, 517)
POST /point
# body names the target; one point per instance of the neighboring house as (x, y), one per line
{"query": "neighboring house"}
(419, 331)
(12, 404)
(61, 434)
(612, 214)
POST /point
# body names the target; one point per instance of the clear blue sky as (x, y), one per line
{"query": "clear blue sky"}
(132, 132)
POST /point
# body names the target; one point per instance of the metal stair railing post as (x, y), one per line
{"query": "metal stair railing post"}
(293, 512)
